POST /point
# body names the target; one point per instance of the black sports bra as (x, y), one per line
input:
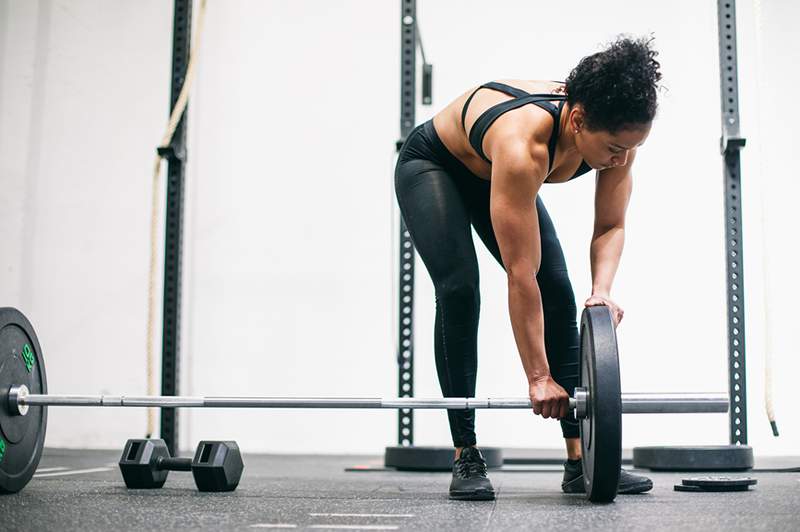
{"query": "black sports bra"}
(521, 98)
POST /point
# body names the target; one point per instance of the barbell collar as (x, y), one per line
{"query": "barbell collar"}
(581, 402)
(16, 400)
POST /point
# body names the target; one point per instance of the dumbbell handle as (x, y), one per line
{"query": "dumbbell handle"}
(174, 464)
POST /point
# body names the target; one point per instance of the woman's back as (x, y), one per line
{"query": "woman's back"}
(531, 122)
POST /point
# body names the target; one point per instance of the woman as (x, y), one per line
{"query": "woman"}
(480, 163)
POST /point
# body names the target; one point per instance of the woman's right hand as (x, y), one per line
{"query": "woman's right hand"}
(549, 399)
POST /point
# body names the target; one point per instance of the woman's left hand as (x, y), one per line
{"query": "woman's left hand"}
(599, 300)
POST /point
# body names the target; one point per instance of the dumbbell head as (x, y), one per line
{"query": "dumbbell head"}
(217, 466)
(139, 464)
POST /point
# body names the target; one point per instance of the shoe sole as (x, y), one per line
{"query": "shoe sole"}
(476, 495)
(576, 486)
(633, 489)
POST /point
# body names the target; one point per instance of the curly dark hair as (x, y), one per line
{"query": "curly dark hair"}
(618, 86)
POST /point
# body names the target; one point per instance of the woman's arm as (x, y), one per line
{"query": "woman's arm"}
(516, 179)
(517, 175)
(612, 194)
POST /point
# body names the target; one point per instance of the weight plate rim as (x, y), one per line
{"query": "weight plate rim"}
(692, 489)
(586, 423)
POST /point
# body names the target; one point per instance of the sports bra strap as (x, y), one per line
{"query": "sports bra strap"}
(464, 109)
(511, 91)
(507, 89)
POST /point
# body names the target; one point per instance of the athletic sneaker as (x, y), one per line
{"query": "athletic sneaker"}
(628, 482)
(470, 482)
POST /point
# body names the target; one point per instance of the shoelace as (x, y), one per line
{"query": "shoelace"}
(469, 469)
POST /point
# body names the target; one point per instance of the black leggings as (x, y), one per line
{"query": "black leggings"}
(439, 200)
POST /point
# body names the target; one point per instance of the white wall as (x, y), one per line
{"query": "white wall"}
(290, 218)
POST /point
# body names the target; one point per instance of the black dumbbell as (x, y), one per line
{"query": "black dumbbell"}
(216, 466)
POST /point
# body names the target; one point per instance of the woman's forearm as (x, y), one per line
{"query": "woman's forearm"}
(527, 323)
(605, 252)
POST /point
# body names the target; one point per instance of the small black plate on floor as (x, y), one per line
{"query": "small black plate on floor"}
(699, 484)
(710, 489)
(704, 482)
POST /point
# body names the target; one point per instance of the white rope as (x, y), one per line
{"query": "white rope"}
(764, 181)
(174, 119)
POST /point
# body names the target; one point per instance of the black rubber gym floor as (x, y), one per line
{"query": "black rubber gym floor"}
(83, 490)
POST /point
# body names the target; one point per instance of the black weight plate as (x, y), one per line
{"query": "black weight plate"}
(601, 430)
(21, 439)
(722, 482)
(711, 489)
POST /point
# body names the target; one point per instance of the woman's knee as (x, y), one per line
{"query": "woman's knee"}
(461, 290)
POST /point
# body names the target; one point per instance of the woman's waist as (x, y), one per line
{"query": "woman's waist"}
(424, 142)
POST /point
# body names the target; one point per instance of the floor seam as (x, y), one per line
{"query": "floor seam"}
(494, 507)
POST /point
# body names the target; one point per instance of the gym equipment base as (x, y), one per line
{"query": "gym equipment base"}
(697, 458)
(422, 458)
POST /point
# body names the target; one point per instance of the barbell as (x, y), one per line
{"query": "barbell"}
(598, 402)
(19, 399)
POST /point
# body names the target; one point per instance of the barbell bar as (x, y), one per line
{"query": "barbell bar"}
(20, 399)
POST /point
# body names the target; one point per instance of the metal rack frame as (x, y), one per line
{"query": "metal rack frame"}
(731, 144)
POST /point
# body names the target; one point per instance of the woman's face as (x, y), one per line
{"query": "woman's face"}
(603, 149)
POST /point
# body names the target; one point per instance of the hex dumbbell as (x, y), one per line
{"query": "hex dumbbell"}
(216, 466)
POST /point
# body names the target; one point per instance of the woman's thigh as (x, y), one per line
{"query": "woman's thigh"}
(553, 279)
(478, 202)
(437, 219)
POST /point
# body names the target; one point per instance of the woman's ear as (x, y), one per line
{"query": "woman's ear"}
(576, 119)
